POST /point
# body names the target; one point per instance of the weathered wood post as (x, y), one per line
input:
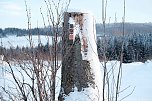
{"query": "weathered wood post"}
(80, 64)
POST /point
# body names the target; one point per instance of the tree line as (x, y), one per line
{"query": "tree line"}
(22, 32)
(23, 53)
(136, 47)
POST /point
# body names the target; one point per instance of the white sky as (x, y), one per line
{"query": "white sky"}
(13, 14)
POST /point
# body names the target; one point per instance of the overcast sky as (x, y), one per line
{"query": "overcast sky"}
(13, 14)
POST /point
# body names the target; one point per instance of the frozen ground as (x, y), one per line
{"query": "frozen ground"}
(138, 75)
(6, 79)
(135, 75)
(135, 85)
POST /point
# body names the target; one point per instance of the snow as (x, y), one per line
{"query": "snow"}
(135, 74)
(79, 10)
(85, 95)
(71, 21)
(92, 56)
(136, 80)
(138, 75)
(89, 33)
(7, 81)
(14, 41)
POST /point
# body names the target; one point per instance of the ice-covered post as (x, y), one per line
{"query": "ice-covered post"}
(80, 75)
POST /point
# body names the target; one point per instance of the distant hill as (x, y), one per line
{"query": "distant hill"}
(130, 28)
(111, 29)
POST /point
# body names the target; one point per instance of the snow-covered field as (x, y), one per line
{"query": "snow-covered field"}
(14, 41)
(6, 78)
(135, 85)
(135, 75)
